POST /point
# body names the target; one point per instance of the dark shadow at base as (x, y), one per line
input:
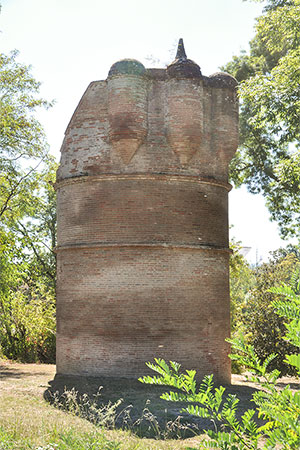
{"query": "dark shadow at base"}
(141, 410)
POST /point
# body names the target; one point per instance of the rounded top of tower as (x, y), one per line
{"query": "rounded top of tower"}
(128, 67)
(223, 79)
(182, 67)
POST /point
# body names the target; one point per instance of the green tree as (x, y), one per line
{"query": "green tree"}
(36, 232)
(23, 146)
(242, 280)
(268, 157)
(27, 219)
(261, 327)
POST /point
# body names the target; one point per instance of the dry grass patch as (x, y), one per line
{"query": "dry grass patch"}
(32, 422)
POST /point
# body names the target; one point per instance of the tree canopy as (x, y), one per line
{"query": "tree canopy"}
(27, 218)
(269, 87)
(22, 140)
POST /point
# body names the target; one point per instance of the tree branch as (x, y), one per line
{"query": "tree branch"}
(15, 189)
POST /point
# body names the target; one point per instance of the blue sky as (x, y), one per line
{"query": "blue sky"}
(70, 43)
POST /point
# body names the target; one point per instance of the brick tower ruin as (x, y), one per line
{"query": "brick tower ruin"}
(142, 252)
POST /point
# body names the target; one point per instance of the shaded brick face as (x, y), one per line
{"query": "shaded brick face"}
(142, 224)
(143, 210)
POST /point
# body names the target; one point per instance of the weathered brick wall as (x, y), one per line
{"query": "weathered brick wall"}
(142, 222)
(124, 305)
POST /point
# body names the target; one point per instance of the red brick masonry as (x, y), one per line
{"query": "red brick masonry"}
(142, 223)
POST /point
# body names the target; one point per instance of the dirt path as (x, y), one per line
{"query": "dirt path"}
(25, 378)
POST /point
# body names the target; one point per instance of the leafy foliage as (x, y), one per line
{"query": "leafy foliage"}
(22, 140)
(268, 157)
(242, 280)
(27, 219)
(252, 314)
(206, 401)
(27, 328)
(261, 326)
(27, 287)
(280, 408)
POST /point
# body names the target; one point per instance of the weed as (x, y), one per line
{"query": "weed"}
(85, 408)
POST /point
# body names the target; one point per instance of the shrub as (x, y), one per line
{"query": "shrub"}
(27, 326)
(262, 327)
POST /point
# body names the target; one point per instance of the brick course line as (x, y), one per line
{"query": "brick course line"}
(144, 177)
(141, 244)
